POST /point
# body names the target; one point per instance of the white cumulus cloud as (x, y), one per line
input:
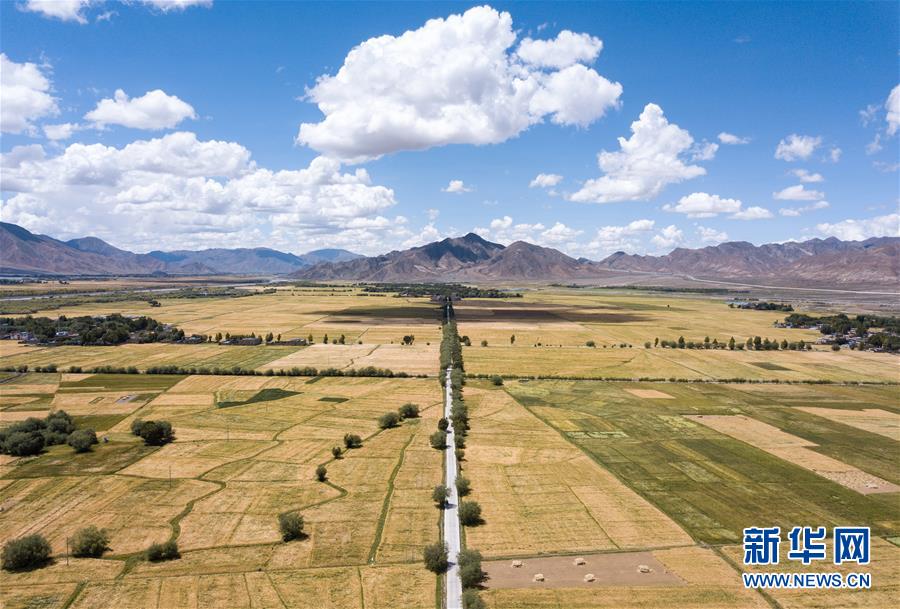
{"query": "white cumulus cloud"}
(797, 147)
(62, 131)
(797, 211)
(645, 164)
(893, 110)
(704, 205)
(24, 96)
(732, 140)
(798, 193)
(178, 191)
(153, 110)
(566, 49)
(452, 81)
(807, 177)
(545, 180)
(65, 10)
(456, 187)
(711, 235)
(860, 230)
(668, 237)
(752, 213)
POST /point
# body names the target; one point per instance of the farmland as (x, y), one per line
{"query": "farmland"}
(218, 489)
(570, 456)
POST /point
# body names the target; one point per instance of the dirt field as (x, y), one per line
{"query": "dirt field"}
(615, 569)
(869, 419)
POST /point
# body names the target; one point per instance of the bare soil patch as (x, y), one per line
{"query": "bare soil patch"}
(614, 569)
(650, 394)
(874, 420)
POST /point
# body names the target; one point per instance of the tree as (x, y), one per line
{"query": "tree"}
(136, 427)
(443, 424)
(27, 552)
(484, 343)
(469, 513)
(336, 452)
(439, 495)
(278, 338)
(23, 443)
(681, 342)
(218, 337)
(325, 339)
(82, 440)
(435, 556)
(497, 380)
(351, 440)
(90, 542)
(388, 420)
(408, 339)
(291, 526)
(408, 411)
(438, 439)
(342, 339)
(158, 552)
(647, 345)
(731, 343)
(757, 342)
(470, 568)
(471, 599)
(512, 339)
(656, 342)
(156, 433)
(309, 339)
(590, 343)
(835, 347)
(269, 337)
(463, 486)
(321, 473)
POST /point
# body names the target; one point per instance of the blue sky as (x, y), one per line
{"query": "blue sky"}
(155, 124)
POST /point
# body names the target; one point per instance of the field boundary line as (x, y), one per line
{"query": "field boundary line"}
(385, 506)
(725, 558)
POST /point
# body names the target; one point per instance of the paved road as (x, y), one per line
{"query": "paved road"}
(451, 515)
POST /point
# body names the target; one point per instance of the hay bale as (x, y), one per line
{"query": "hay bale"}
(589, 577)
(517, 563)
(579, 561)
(644, 569)
(538, 577)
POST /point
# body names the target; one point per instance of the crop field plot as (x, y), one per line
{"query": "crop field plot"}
(540, 494)
(246, 450)
(712, 483)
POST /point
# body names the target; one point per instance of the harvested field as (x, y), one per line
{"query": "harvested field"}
(414, 359)
(874, 420)
(613, 569)
(649, 394)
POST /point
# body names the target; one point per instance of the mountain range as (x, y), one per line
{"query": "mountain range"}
(814, 263)
(23, 252)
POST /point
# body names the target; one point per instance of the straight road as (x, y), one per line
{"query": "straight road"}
(451, 514)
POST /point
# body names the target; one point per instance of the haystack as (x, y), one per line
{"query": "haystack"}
(538, 577)
(517, 563)
(579, 561)
(589, 577)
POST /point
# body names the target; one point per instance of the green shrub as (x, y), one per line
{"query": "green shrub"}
(472, 600)
(408, 411)
(351, 440)
(90, 542)
(470, 513)
(156, 433)
(136, 427)
(336, 452)
(435, 556)
(443, 424)
(158, 552)
(291, 526)
(388, 420)
(438, 440)
(497, 380)
(439, 495)
(82, 440)
(463, 486)
(470, 568)
(23, 443)
(321, 473)
(24, 553)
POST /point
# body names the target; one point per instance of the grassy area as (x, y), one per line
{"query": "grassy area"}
(711, 484)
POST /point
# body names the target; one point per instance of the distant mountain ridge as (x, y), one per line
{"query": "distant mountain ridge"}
(22, 251)
(813, 263)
